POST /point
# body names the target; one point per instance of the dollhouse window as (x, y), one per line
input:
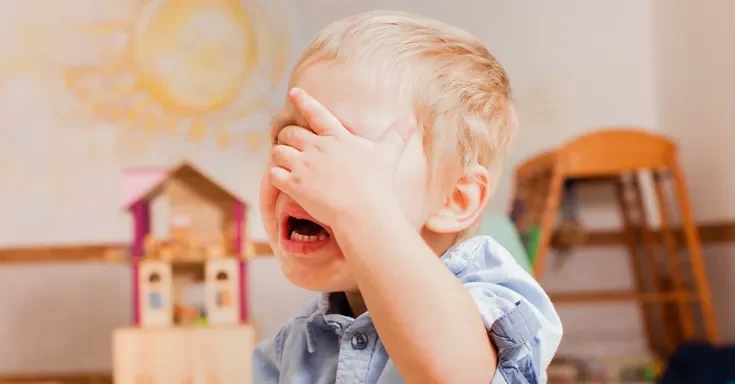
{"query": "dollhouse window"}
(224, 297)
(180, 220)
(155, 299)
(154, 278)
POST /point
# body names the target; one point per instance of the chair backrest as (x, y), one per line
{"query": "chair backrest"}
(501, 228)
(611, 151)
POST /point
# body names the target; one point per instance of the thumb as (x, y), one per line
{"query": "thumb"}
(395, 138)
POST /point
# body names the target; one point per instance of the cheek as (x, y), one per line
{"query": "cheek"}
(268, 197)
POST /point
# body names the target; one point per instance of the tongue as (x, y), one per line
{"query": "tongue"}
(308, 228)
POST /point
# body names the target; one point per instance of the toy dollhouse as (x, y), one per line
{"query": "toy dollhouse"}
(189, 263)
(204, 245)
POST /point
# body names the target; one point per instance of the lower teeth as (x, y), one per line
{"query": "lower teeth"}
(306, 238)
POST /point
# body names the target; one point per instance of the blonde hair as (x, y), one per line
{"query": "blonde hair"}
(460, 91)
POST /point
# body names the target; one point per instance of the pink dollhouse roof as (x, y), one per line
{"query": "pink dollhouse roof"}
(141, 183)
(138, 182)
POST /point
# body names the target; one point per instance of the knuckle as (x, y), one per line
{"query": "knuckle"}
(279, 152)
(310, 112)
(313, 147)
(296, 180)
(283, 134)
(325, 144)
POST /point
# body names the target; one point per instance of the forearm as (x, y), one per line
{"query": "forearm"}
(426, 319)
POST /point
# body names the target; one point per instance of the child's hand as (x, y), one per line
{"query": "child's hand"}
(331, 172)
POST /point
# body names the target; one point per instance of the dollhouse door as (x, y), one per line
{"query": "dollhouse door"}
(223, 291)
(155, 301)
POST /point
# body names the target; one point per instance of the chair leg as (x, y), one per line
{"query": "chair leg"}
(624, 209)
(695, 254)
(548, 220)
(672, 250)
(651, 257)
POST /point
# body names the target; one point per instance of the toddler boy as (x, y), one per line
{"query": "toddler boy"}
(384, 158)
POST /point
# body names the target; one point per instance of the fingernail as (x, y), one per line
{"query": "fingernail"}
(294, 92)
(407, 129)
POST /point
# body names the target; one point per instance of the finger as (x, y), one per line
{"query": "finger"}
(297, 137)
(285, 156)
(395, 138)
(281, 179)
(321, 121)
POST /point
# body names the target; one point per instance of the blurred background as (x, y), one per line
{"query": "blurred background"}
(90, 89)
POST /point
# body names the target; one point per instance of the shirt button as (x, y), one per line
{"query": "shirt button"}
(359, 341)
(336, 326)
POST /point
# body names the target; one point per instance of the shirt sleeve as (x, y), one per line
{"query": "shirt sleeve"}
(266, 360)
(518, 315)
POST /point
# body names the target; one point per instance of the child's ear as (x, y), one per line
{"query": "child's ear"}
(464, 206)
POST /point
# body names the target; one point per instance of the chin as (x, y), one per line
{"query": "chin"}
(322, 269)
(309, 255)
(334, 277)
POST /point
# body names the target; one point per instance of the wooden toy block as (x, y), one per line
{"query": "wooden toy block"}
(184, 355)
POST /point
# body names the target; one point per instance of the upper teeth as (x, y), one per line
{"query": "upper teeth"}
(299, 237)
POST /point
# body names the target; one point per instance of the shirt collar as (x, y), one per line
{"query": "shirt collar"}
(329, 314)
(329, 318)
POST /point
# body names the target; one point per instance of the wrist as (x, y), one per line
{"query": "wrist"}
(368, 221)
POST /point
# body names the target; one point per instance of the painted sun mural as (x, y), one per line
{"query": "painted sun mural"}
(195, 68)
(90, 87)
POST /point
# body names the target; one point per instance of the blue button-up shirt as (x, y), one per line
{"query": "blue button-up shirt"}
(323, 346)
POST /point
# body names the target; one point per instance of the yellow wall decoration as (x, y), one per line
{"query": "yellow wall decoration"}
(191, 67)
(91, 87)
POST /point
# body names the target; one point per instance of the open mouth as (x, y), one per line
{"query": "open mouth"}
(304, 230)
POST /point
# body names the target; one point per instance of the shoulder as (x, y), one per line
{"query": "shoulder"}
(481, 253)
(484, 266)
(518, 315)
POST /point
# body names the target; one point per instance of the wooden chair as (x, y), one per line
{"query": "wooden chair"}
(618, 157)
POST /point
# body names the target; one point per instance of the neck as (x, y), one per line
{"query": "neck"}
(357, 304)
(439, 242)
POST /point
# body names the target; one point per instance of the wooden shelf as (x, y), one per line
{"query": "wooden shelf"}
(587, 297)
(59, 253)
(711, 233)
(84, 253)
(60, 378)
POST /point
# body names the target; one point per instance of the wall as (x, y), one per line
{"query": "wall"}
(695, 64)
(573, 68)
(79, 104)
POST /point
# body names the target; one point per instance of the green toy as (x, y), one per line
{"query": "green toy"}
(531, 238)
(502, 229)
